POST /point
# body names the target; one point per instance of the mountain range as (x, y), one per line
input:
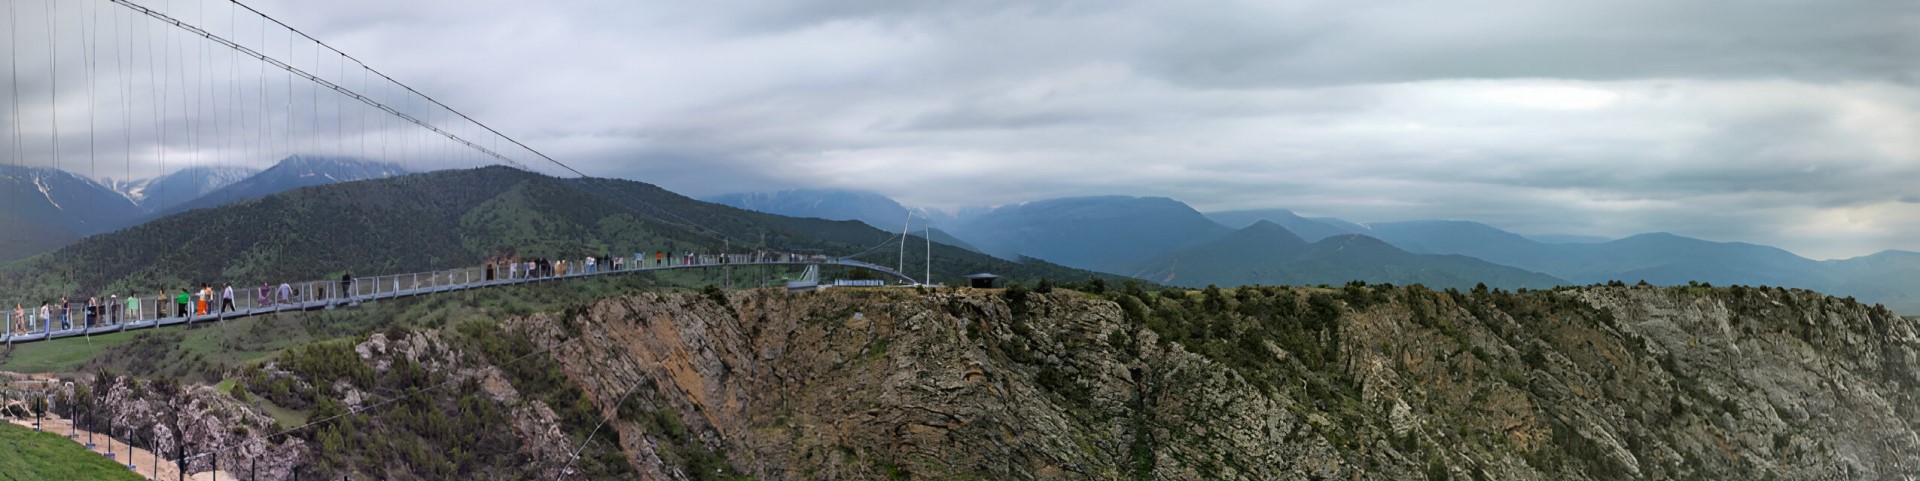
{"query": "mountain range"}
(182, 186)
(875, 210)
(452, 218)
(49, 208)
(1167, 241)
(1268, 253)
(1108, 234)
(290, 173)
(1151, 238)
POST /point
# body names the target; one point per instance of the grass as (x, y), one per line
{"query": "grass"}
(236, 342)
(286, 417)
(27, 455)
(61, 355)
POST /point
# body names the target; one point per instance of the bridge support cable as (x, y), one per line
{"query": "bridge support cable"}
(411, 90)
(293, 71)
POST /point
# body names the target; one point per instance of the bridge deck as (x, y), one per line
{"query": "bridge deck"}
(373, 285)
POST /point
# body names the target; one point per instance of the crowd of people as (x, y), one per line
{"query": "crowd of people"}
(113, 310)
(188, 302)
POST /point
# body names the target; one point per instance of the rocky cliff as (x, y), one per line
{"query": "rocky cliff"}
(1364, 382)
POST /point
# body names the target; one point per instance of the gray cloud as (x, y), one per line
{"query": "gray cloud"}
(1786, 123)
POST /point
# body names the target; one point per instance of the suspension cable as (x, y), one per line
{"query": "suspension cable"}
(13, 71)
(294, 71)
(92, 61)
(53, 73)
(409, 89)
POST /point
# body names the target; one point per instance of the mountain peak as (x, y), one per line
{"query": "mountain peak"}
(293, 172)
(871, 208)
(1268, 230)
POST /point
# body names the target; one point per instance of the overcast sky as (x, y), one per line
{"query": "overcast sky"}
(1793, 123)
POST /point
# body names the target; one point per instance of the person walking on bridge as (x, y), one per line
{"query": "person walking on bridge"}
(206, 292)
(183, 299)
(19, 319)
(133, 306)
(66, 313)
(346, 283)
(46, 316)
(226, 299)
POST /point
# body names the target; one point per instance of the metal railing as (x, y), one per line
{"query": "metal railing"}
(119, 314)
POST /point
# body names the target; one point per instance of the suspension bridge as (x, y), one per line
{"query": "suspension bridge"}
(139, 89)
(132, 88)
(79, 320)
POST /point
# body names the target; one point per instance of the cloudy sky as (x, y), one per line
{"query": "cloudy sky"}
(1793, 123)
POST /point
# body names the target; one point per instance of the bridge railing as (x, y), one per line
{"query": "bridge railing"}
(164, 309)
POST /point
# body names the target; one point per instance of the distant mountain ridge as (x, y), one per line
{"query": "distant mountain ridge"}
(879, 211)
(291, 173)
(1667, 259)
(1266, 253)
(1310, 229)
(184, 185)
(47, 208)
(1108, 233)
(876, 210)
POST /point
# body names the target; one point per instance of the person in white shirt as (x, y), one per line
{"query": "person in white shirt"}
(226, 299)
(286, 293)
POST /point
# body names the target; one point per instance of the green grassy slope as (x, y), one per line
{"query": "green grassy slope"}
(29, 456)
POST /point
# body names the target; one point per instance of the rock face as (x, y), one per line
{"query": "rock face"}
(1398, 383)
(164, 417)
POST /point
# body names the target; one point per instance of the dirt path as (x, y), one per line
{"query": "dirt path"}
(142, 460)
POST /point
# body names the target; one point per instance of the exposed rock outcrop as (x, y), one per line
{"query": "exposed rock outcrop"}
(1589, 383)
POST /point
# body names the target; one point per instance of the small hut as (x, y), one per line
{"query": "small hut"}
(981, 281)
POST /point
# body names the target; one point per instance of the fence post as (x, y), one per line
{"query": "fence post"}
(73, 432)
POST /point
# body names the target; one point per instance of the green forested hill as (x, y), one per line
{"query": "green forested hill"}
(441, 220)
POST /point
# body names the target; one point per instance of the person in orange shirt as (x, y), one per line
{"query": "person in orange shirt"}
(205, 292)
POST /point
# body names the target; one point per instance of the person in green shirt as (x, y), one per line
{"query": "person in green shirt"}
(183, 299)
(133, 307)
